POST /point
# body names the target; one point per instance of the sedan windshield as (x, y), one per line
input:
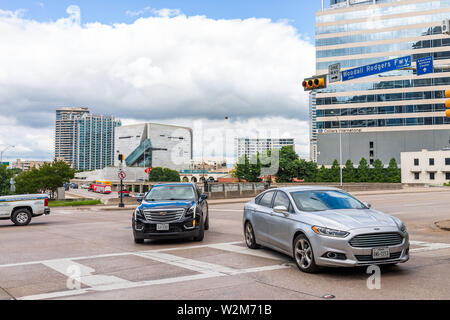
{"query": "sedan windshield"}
(321, 200)
(160, 193)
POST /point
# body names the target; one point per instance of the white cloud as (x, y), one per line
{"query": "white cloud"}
(158, 68)
(164, 12)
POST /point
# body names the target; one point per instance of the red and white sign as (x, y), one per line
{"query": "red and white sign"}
(122, 175)
(147, 171)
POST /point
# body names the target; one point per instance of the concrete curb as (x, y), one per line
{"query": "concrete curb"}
(443, 225)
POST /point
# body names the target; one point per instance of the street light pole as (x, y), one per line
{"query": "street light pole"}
(3, 151)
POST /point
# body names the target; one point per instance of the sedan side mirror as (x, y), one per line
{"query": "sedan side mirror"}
(368, 205)
(281, 209)
(204, 196)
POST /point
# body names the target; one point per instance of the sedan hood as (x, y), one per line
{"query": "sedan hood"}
(347, 219)
(166, 204)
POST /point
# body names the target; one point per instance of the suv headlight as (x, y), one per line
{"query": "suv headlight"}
(330, 232)
(138, 214)
(191, 212)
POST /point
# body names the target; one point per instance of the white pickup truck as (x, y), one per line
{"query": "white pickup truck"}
(21, 208)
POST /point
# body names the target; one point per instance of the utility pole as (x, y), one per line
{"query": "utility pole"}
(3, 151)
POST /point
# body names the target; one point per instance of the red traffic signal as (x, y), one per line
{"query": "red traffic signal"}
(315, 83)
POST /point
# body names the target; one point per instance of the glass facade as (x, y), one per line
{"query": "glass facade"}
(340, 29)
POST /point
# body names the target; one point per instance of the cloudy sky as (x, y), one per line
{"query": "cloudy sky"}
(190, 63)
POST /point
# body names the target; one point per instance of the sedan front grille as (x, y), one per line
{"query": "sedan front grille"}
(376, 240)
(366, 258)
(163, 216)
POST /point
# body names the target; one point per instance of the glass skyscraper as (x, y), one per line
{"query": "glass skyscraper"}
(84, 140)
(382, 115)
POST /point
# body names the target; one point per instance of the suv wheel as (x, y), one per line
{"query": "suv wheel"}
(304, 255)
(207, 221)
(250, 239)
(21, 217)
(201, 232)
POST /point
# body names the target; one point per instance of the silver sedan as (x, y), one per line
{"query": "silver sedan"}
(320, 226)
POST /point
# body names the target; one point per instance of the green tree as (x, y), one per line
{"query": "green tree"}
(5, 177)
(241, 168)
(335, 174)
(378, 171)
(306, 170)
(349, 172)
(287, 167)
(363, 171)
(47, 178)
(253, 172)
(393, 173)
(159, 174)
(323, 174)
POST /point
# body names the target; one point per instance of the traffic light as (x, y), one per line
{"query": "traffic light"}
(120, 157)
(313, 83)
(447, 104)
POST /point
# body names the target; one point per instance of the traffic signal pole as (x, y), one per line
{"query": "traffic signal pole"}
(121, 204)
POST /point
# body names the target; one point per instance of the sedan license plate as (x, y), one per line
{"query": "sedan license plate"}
(381, 253)
(162, 227)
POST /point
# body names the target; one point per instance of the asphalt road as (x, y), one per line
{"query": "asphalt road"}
(38, 261)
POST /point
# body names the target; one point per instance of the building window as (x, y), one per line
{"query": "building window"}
(372, 161)
(416, 175)
(371, 153)
(432, 175)
(371, 144)
(431, 161)
(447, 176)
(447, 161)
(416, 162)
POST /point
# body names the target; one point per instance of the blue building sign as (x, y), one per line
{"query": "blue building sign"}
(425, 65)
(380, 67)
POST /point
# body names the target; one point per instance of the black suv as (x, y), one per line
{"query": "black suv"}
(171, 211)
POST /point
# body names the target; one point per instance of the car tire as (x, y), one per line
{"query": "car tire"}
(249, 235)
(201, 232)
(207, 221)
(304, 255)
(138, 241)
(21, 217)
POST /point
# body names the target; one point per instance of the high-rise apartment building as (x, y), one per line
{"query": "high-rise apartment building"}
(383, 115)
(84, 140)
(250, 147)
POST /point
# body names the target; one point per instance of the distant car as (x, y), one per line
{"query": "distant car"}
(22, 208)
(171, 211)
(66, 186)
(85, 186)
(320, 226)
(125, 193)
(139, 195)
(74, 186)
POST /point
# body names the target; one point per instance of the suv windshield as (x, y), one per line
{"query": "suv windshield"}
(321, 200)
(160, 193)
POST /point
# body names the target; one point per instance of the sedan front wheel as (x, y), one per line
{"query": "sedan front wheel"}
(304, 255)
(250, 239)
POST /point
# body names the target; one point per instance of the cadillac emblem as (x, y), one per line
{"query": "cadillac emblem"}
(163, 213)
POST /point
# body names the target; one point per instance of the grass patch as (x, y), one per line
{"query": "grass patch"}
(63, 203)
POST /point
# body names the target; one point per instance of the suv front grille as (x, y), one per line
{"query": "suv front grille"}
(376, 240)
(366, 258)
(163, 216)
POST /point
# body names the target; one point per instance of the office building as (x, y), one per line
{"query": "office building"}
(26, 165)
(381, 115)
(154, 145)
(426, 167)
(250, 147)
(84, 140)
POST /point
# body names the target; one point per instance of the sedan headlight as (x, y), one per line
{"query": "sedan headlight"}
(402, 227)
(330, 232)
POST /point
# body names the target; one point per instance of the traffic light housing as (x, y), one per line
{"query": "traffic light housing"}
(447, 104)
(318, 82)
(120, 157)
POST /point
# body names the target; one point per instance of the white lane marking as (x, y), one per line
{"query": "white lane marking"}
(194, 265)
(428, 246)
(108, 255)
(208, 270)
(247, 251)
(86, 275)
(67, 293)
